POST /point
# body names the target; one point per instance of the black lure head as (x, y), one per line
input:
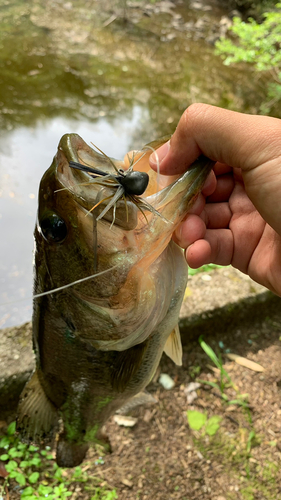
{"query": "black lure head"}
(133, 182)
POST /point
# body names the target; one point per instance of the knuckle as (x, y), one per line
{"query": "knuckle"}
(195, 112)
(191, 120)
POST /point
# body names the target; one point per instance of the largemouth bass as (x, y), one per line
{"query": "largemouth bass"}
(99, 341)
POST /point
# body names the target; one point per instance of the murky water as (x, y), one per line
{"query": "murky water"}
(80, 67)
(25, 155)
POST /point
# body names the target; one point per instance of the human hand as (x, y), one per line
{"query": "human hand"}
(240, 224)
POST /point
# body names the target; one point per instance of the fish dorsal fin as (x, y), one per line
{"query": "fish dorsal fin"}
(173, 347)
(37, 416)
(142, 398)
(126, 366)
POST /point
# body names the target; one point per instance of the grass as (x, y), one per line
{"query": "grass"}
(37, 476)
(224, 380)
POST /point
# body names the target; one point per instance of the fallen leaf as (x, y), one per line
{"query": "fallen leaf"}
(127, 482)
(3, 472)
(247, 363)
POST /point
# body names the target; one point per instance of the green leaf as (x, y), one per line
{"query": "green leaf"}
(196, 419)
(212, 425)
(58, 473)
(35, 461)
(22, 446)
(32, 448)
(20, 478)
(11, 465)
(11, 429)
(4, 442)
(13, 473)
(27, 492)
(44, 490)
(24, 464)
(13, 452)
(112, 495)
(4, 457)
(33, 478)
(209, 351)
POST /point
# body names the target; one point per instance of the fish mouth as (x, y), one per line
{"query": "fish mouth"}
(127, 211)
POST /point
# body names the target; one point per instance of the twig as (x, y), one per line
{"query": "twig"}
(110, 20)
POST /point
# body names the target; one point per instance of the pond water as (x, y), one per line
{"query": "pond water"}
(119, 82)
(25, 155)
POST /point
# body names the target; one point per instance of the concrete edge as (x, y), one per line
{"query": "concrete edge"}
(245, 310)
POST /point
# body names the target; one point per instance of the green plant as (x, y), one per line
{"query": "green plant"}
(38, 475)
(194, 371)
(199, 421)
(103, 494)
(224, 380)
(259, 45)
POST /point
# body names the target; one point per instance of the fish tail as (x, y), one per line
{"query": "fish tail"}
(37, 417)
(69, 453)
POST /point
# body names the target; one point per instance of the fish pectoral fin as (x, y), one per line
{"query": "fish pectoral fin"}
(173, 346)
(126, 366)
(37, 416)
(142, 398)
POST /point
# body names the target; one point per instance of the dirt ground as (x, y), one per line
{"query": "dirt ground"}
(162, 458)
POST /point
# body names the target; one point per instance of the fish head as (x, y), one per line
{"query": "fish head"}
(111, 264)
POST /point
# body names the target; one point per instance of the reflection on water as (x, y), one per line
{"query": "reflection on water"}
(24, 156)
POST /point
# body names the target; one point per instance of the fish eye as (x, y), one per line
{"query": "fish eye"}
(135, 182)
(53, 228)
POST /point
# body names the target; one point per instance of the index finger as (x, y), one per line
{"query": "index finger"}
(236, 139)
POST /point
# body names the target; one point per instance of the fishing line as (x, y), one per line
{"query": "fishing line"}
(81, 280)
(157, 165)
(107, 157)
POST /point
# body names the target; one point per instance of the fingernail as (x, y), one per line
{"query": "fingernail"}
(159, 155)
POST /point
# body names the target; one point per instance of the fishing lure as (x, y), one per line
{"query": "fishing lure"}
(129, 184)
(133, 182)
